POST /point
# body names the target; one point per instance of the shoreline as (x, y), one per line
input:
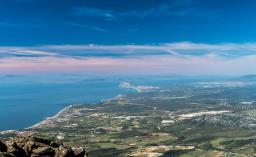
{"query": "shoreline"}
(40, 124)
(48, 119)
(45, 121)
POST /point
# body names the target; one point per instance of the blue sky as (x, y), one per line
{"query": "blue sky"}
(33, 22)
(114, 36)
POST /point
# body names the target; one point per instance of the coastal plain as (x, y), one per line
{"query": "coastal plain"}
(211, 119)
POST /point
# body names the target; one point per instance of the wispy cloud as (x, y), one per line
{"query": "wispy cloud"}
(176, 8)
(13, 52)
(93, 12)
(85, 26)
(145, 65)
(186, 49)
(159, 11)
(181, 58)
(182, 49)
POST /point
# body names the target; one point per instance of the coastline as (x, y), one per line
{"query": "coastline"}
(38, 125)
(49, 119)
(41, 123)
(45, 121)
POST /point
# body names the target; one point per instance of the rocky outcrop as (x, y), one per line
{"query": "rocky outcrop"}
(37, 147)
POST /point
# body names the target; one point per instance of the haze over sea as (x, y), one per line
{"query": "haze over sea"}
(27, 100)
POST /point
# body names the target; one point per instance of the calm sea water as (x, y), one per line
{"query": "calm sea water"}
(25, 101)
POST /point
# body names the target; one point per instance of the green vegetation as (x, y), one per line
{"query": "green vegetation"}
(186, 121)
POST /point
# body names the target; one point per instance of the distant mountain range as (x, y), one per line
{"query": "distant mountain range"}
(250, 77)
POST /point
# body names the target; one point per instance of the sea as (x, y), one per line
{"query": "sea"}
(27, 100)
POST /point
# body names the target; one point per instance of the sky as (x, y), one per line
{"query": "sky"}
(204, 37)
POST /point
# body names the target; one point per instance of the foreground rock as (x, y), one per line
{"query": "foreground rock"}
(37, 147)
